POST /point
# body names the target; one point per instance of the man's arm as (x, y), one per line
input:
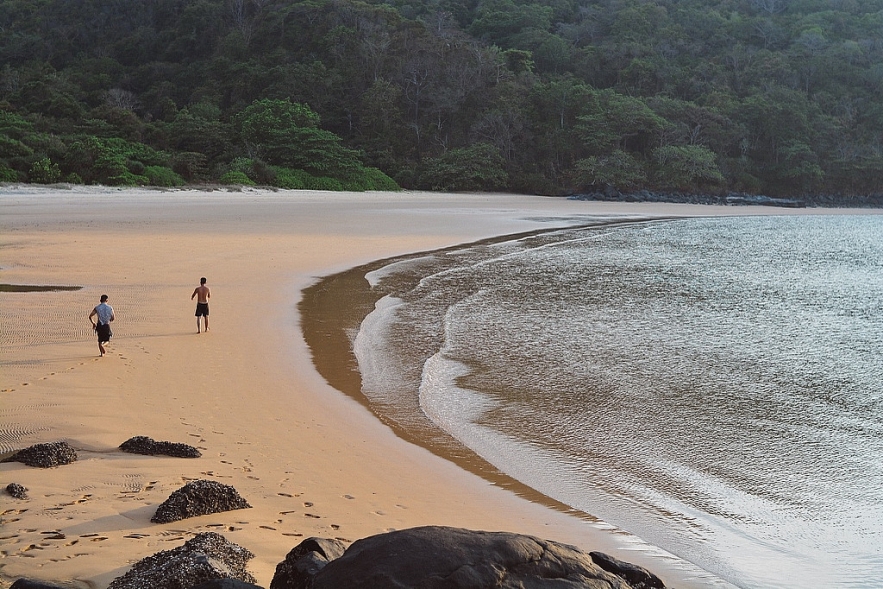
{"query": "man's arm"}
(195, 290)
(91, 315)
(208, 294)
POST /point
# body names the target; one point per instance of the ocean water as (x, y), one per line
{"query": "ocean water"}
(712, 386)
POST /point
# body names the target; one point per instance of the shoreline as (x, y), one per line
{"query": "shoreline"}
(311, 461)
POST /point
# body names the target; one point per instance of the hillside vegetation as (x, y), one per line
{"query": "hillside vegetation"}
(779, 97)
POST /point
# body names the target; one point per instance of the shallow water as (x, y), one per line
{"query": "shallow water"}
(713, 386)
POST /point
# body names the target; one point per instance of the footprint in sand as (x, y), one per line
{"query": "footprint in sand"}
(312, 515)
(348, 497)
(308, 503)
(284, 495)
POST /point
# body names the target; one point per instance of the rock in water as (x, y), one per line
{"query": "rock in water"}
(198, 498)
(454, 558)
(205, 557)
(45, 455)
(17, 491)
(304, 562)
(150, 447)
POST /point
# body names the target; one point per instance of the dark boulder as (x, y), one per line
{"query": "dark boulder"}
(637, 577)
(226, 584)
(451, 558)
(17, 491)
(205, 557)
(150, 447)
(304, 562)
(34, 584)
(200, 497)
(45, 455)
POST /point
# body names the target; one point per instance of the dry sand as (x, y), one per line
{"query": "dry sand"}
(311, 461)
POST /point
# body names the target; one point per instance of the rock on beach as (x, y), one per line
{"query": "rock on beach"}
(200, 497)
(45, 455)
(205, 557)
(150, 447)
(454, 558)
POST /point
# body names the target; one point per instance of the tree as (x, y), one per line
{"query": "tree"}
(616, 122)
(286, 134)
(686, 167)
(478, 167)
(618, 169)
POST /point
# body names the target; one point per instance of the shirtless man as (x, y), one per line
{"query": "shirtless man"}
(203, 294)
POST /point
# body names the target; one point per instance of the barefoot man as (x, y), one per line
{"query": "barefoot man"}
(203, 294)
(104, 315)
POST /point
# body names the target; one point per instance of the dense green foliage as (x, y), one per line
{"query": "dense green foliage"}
(783, 97)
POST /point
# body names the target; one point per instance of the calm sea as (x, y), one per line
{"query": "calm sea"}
(712, 386)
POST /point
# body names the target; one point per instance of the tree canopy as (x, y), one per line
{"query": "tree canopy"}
(782, 97)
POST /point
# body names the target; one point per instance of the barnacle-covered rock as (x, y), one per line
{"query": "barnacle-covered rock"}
(45, 455)
(150, 447)
(205, 557)
(17, 491)
(200, 497)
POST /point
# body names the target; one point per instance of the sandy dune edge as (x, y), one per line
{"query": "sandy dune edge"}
(310, 461)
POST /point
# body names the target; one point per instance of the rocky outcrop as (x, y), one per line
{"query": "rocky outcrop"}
(198, 498)
(304, 562)
(205, 557)
(455, 558)
(17, 491)
(150, 447)
(24, 583)
(45, 455)
(637, 577)
(226, 584)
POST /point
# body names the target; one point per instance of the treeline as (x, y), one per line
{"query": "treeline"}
(779, 97)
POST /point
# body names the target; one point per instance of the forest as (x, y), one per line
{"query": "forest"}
(554, 97)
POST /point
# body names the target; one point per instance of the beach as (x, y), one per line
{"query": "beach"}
(310, 460)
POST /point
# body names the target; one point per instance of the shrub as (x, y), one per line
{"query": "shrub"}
(127, 178)
(377, 180)
(236, 177)
(8, 174)
(325, 183)
(291, 179)
(44, 171)
(163, 176)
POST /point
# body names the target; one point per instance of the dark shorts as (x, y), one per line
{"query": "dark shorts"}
(201, 309)
(104, 333)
